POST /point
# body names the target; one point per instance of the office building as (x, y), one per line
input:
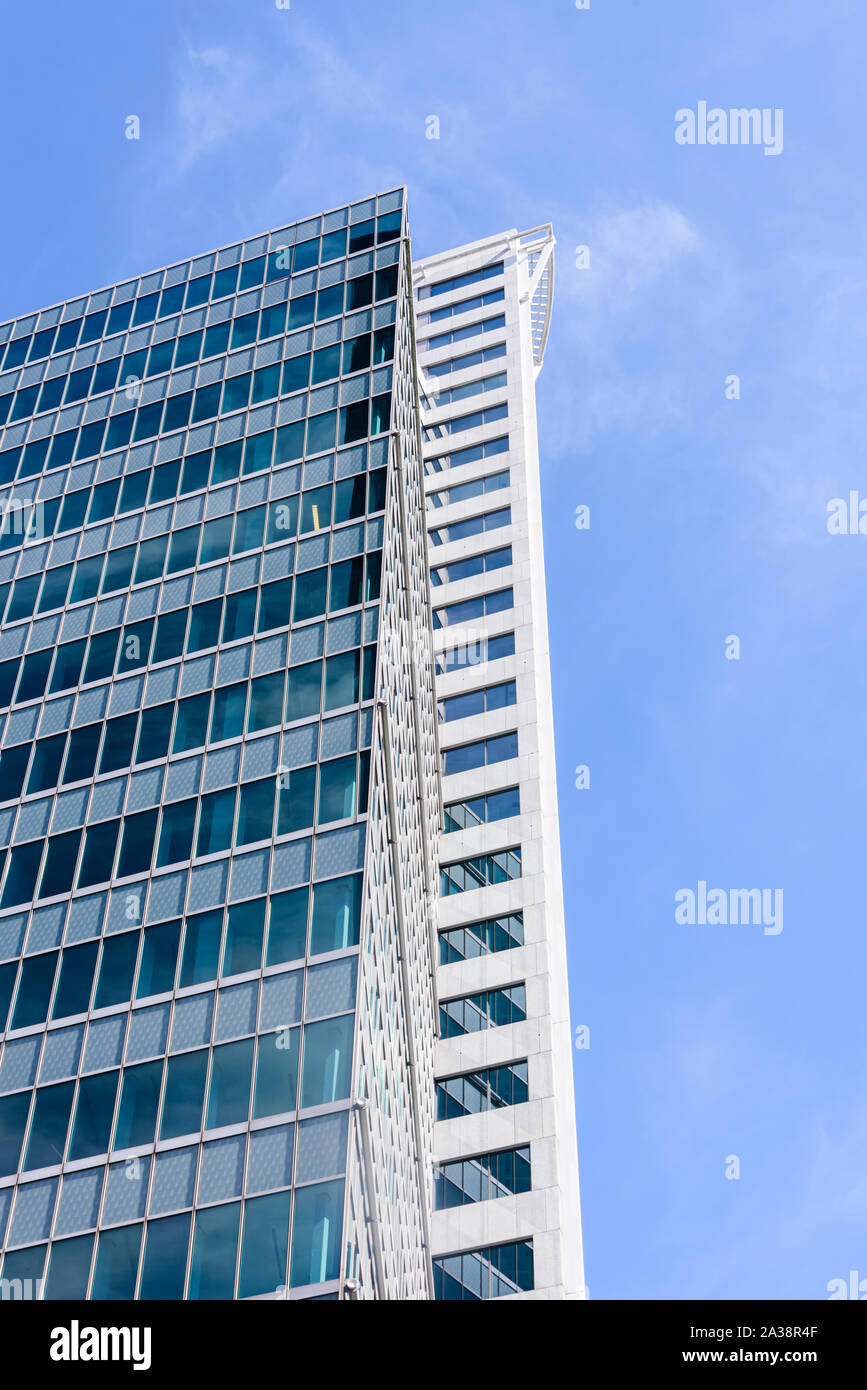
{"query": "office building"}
(221, 798)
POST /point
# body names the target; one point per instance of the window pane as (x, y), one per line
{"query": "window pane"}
(176, 831)
(49, 1125)
(229, 1093)
(137, 843)
(266, 702)
(116, 1263)
(227, 718)
(304, 691)
(276, 1073)
(263, 1251)
(69, 1268)
(13, 1120)
(316, 1233)
(216, 820)
(337, 789)
(244, 937)
(327, 1060)
(185, 1094)
(255, 811)
(98, 856)
(336, 914)
(341, 680)
(94, 1112)
(139, 1102)
(34, 990)
(201, 947)
(119, 954)
(212, 1272)
(287, 926)
(164, 1266)
(296, 797)
(158, 959)
(76, 980)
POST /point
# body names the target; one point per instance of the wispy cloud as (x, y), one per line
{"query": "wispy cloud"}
(606, 299)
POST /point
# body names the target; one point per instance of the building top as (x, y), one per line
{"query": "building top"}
(219, 258)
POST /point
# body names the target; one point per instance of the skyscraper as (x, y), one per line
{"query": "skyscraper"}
(220, 794)
(506, 1185)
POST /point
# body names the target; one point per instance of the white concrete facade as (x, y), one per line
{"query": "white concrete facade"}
(548, 1215)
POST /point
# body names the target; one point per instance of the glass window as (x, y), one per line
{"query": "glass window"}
(249, 529)
(216, 339)
(257, 454)
(45, 768)
(236, 392)
(137, 843)
(159, 955)
(341, 680)
(49, 1125)
(21, 877)
(184, 1095)
(94, 1112)
(327, 1060)
(265, 1243)
(296, 797)
(244, 330)
(310, 591)
(212, 1272)
(229, 1093)
(276, 1073)
(337, 789)
(198, 291)
(34, 990)
(13, 766)
(321, 432)
(116, 970)
(139, 1103)
(216, 821)
(164, 1266)
(296, 374)
(239, 618)
(119, 742)
(326, 364)
(191, 726)
(275, 606)
(154, 733)
(255, 811)
(176, 831)
(316, 1233)
(315, 510)
(98, 856)
(266, 381)
(25, 1264)
(347, 579)
(75, 982)
(216, 537)
(287, 926)
(244, 934)
(13, 1121)
(205, 621)
(202, 938)
(69, 1268)
(116, 1263)
(266, 702)
(336, 914)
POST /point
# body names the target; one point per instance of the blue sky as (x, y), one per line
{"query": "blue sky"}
(708, 515)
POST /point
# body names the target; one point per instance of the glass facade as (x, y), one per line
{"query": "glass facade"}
(194, 556)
